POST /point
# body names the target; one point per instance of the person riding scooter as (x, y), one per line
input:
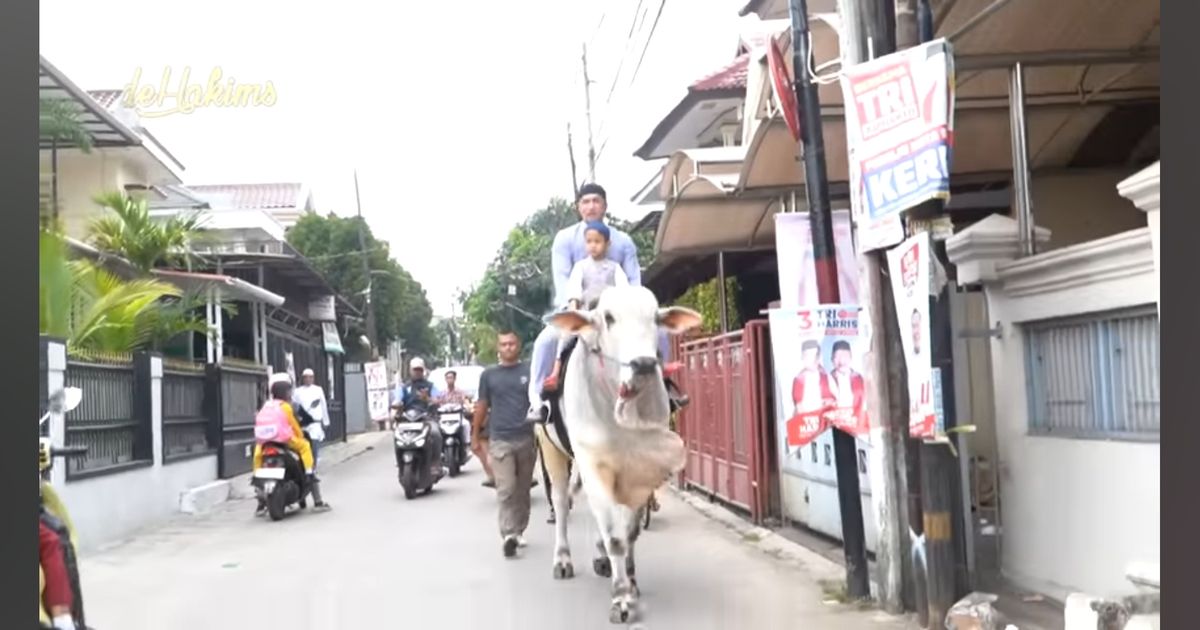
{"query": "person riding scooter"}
(418, 394)
(276, 422)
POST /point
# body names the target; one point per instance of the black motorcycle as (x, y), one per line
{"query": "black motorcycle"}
(455, 432)
(281, 481)
(418, 447)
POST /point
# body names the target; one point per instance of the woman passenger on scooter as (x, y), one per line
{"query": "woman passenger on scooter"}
(278, 417)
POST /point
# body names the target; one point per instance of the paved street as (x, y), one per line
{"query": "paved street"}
(378, 561)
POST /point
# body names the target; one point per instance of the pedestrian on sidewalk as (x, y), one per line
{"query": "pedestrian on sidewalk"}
(311, 398)
(501, 408)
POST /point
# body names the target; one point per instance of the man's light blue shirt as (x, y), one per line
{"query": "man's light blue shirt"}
(570, 247)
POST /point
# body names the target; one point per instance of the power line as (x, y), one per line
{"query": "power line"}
(636, 70)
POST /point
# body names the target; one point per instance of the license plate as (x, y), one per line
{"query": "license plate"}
(269, 473)
(410, 426)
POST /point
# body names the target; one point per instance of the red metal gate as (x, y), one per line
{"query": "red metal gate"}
(725, 428)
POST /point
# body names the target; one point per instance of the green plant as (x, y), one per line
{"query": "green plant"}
(95, 310)
(705, 299)
(58, 121)
(131, 233)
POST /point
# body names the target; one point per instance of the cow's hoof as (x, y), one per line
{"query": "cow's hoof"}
(602, 567)
(621, 611)
(564, 571)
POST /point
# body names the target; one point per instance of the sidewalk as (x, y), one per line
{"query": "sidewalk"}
(204, 498)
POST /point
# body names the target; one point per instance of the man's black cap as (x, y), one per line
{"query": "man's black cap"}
(591, 189)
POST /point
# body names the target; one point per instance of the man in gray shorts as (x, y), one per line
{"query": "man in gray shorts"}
(502, 407)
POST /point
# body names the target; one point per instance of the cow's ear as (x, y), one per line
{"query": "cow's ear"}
(678, 319)
(572, 321)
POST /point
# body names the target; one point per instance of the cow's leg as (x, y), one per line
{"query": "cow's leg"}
(634, 533)
(557, 467)
(614, 522)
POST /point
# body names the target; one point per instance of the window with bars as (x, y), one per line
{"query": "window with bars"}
(1095, 376)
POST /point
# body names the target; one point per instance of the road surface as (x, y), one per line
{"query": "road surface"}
(379, 561)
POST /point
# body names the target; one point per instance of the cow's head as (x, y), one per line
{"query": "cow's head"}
(623, 330)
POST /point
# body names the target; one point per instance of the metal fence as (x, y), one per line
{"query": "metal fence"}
(187, 419)
(726, 427)
(108, 421)
(239, 390)
(1095, 376)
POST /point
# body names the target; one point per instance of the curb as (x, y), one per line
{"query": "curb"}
(208, 496)
(822, 569)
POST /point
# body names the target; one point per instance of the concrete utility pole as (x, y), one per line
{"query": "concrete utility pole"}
(372, 333)
(587, 95)
(865, 27)
(820, 217)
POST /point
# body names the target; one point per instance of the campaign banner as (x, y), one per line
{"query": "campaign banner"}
(378, 394)
(899, 128)
(794, 258)
(818, 357)
(911, 265)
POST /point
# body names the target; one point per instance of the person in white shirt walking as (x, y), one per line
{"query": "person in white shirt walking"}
(311, 397)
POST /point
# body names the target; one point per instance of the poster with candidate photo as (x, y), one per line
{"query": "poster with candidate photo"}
(910, 267)
(818, 357)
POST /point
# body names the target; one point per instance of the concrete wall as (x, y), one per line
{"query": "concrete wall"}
(1074, 512)
(83, 176)
(109, 508)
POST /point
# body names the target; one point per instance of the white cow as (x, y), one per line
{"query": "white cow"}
(616, 413)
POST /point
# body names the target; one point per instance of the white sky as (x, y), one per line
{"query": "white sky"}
(455, 118)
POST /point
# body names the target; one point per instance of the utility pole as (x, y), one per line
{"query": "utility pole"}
(372, 333)
(587, 96)
(571, 153)
(820, 217)
(864, 22)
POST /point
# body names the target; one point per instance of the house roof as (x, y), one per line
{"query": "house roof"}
(105, 128)
(732, 76)
(256, 196)
(106, 98)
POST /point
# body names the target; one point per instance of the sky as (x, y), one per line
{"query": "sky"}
(454, 114)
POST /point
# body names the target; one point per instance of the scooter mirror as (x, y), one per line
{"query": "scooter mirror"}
(72, 396)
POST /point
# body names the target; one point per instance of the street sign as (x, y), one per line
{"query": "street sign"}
(782, 82)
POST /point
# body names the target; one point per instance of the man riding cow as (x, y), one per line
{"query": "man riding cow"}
(570, 248)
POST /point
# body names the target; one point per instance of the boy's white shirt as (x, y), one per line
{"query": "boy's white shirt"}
(574, 289)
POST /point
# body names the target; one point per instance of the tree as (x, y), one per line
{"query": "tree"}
(127, 230)
(402, 310)
(523, 262)
(130, 232)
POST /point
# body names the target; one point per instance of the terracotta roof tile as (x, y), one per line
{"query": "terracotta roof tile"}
(732, 76)
(107, 98)
(261, 196)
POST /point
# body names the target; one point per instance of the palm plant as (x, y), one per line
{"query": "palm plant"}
(130, 232)
(58, 122)
(95, 310)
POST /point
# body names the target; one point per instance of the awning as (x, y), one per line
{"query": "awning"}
(231, 287)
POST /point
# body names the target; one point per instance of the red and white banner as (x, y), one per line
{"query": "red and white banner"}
(899, 128)
(911, 266)
(818, 353)
(794, 256)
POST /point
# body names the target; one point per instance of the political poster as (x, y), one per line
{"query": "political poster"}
(794, 257)
(818, 356)
(899, 128)
(911, 266)
(378, 392)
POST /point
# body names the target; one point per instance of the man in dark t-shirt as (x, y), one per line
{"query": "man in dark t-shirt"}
(502, 406)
